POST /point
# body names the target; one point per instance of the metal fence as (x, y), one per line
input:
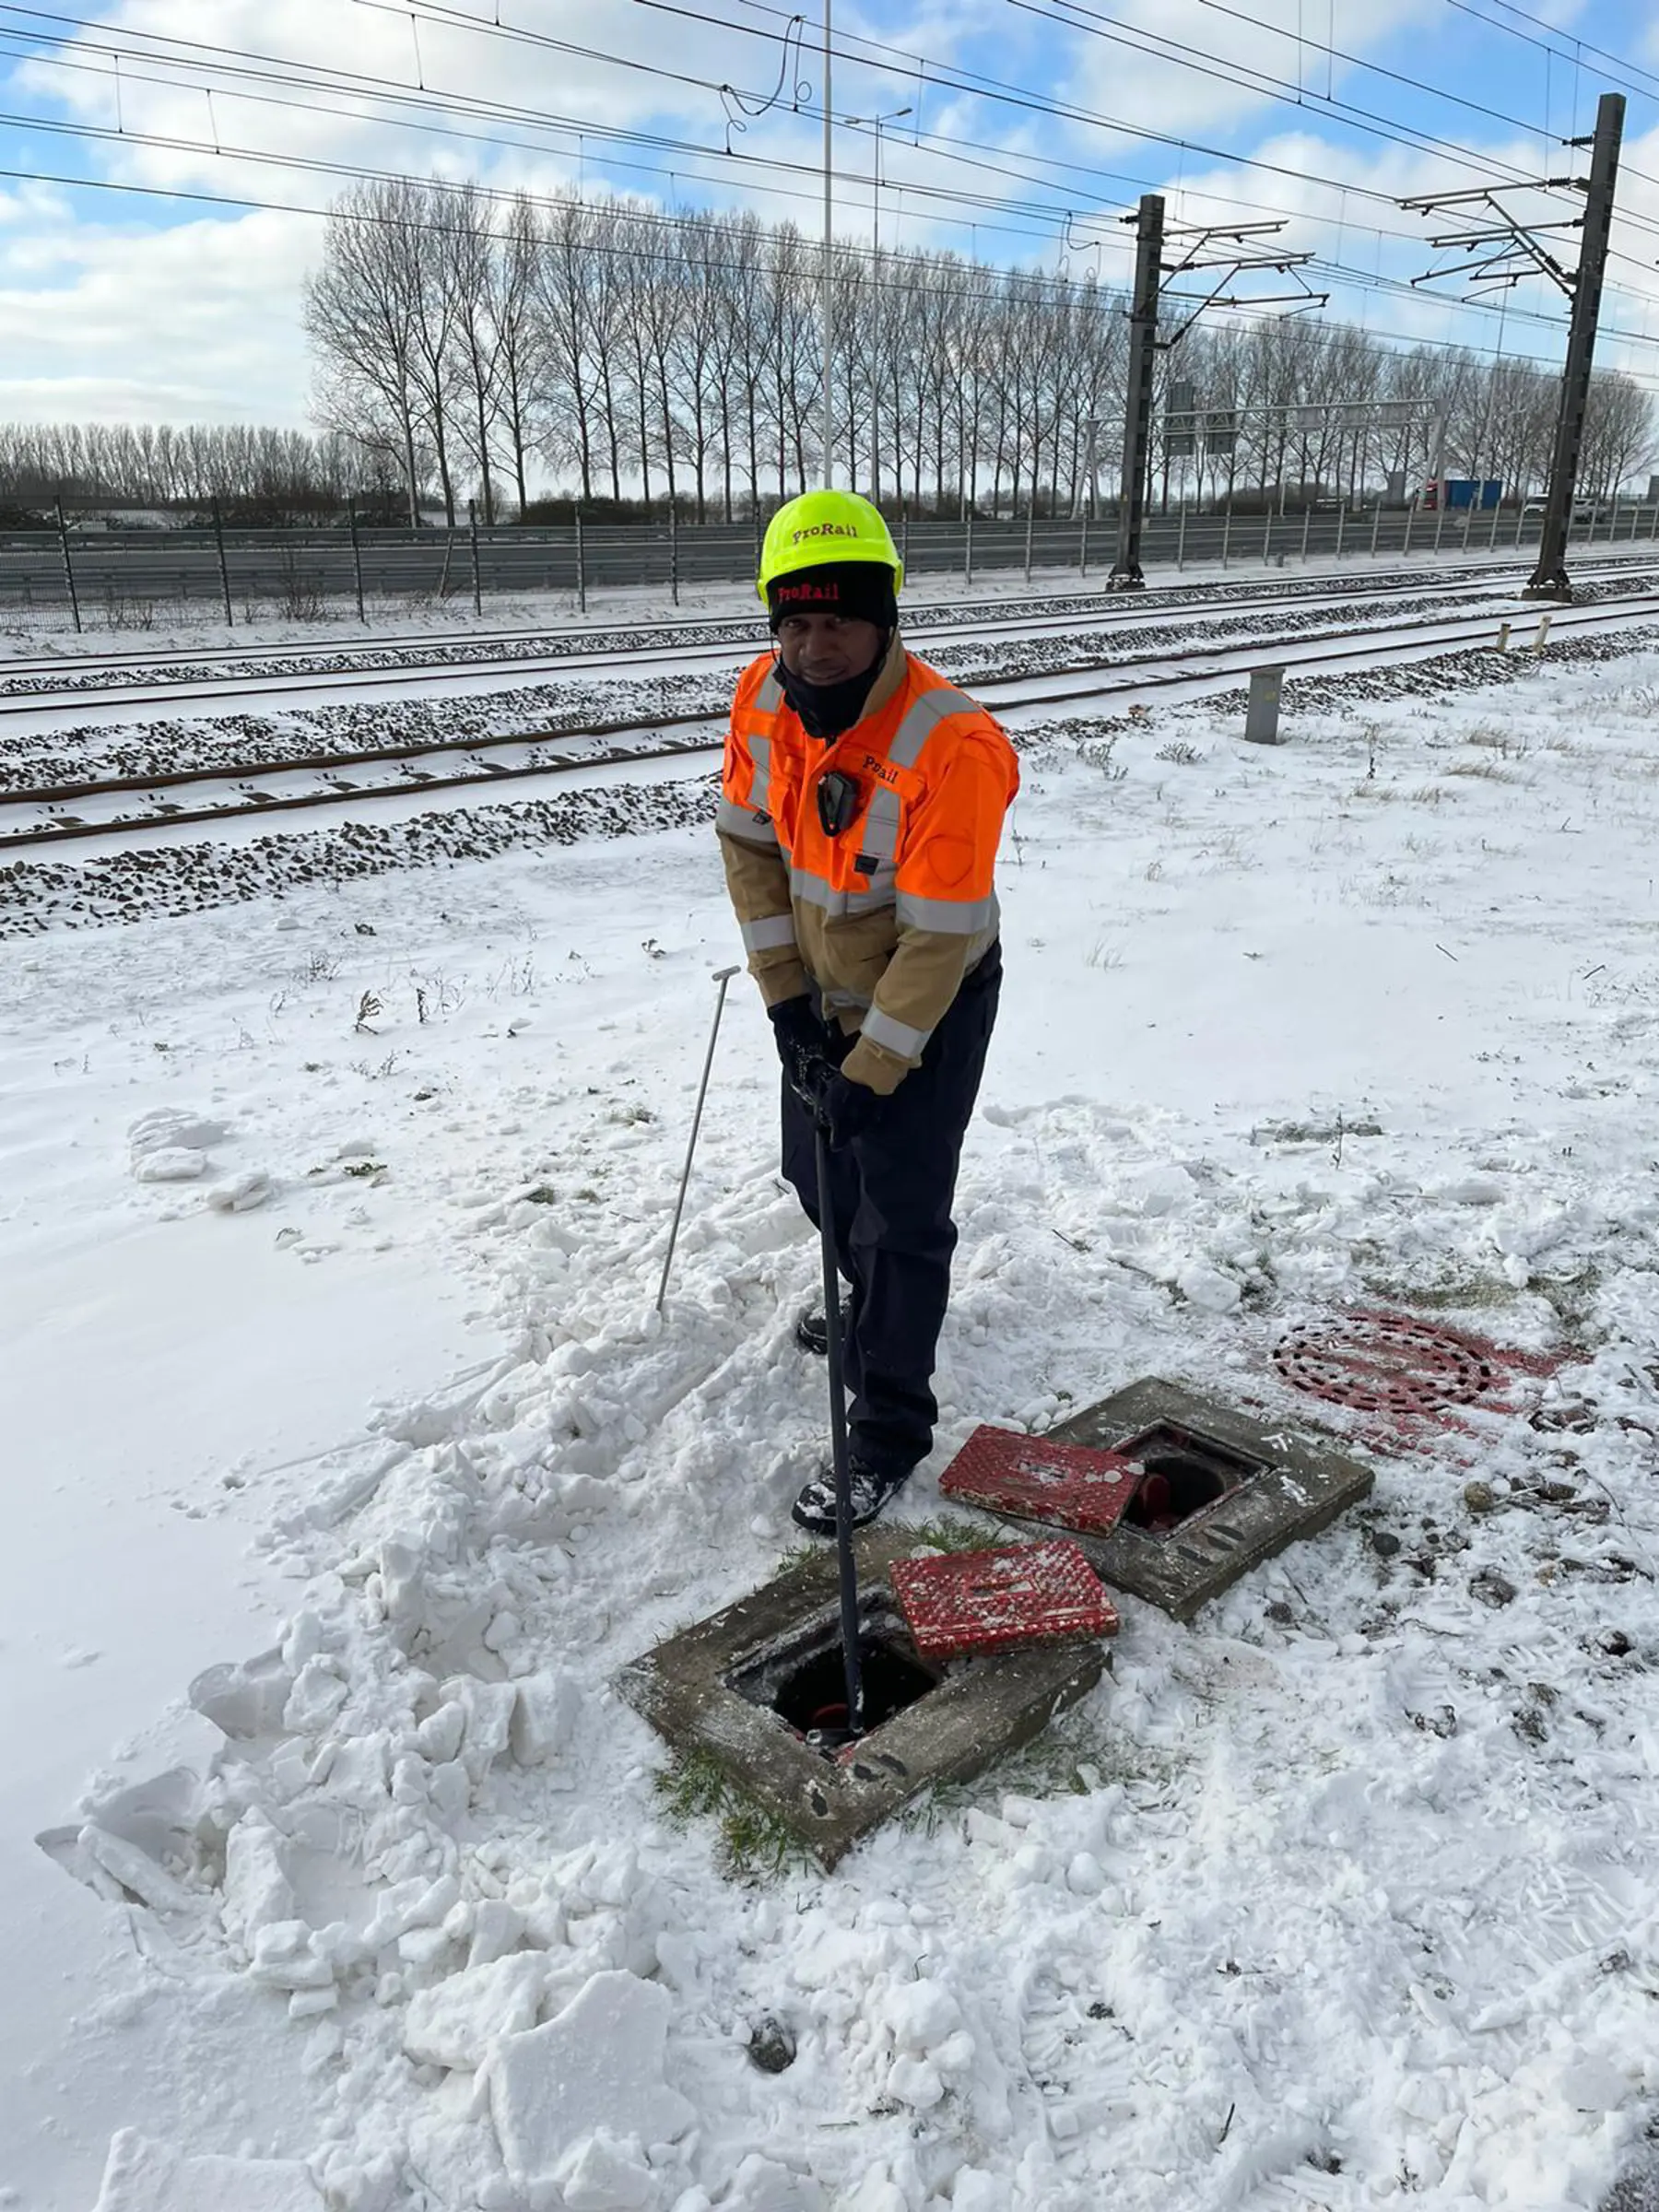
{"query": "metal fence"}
(121, 578)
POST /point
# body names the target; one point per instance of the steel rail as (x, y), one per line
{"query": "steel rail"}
(922, 624)
(1008, 694)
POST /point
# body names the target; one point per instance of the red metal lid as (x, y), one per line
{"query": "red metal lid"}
(961, 1601)
(1068, 1486)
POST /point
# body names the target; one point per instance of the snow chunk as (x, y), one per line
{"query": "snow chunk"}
(488, 1707)
(1207, 1288)
(597, 2064)
(544, 1717)
(317, 1695)
(1160, 1188)
(172, 1129)
(453, 2023)
(246, 1698)
(603, 2175)
(762, 2185)
(169, 1167)
(144, 2176)
(919, 2016)
(257, 1890)
(242, 1194)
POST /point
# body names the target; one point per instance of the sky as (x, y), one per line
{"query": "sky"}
(165, 164)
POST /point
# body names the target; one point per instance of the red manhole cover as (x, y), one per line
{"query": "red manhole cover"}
(1388, 1363)
(1068, 1486)
(994, 1601)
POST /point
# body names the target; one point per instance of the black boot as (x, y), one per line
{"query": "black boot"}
(812, 1331)
(870, 1486)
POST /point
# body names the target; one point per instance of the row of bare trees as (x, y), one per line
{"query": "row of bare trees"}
(255, 471)
(472, 341)
(468, 344)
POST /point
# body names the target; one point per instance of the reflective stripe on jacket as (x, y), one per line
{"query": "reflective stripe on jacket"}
(887, 918)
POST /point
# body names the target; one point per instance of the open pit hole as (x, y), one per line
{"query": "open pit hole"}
(813, 1698)
(803, 1681)
(1184, 1475)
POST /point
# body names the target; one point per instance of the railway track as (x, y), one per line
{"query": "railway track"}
(66, 812)
(46, 686)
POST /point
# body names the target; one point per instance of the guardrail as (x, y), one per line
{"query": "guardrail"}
(123, 578)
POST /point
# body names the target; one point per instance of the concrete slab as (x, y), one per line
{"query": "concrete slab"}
(1277, 1485)
(692, 1690)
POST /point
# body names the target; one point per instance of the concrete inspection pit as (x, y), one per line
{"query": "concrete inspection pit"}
(1217, 1492)
(758, 1689)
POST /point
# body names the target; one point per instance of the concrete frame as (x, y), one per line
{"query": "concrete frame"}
(1307, 1481)
(979, 1709)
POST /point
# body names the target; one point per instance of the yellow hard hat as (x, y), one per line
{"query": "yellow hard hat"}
(824, 526)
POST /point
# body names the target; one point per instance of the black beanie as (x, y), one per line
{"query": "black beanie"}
(860, 590)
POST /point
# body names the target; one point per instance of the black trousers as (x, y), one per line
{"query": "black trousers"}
(891, 1191)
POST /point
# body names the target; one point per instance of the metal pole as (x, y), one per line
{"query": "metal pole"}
(1030, 525)
(1549, 579)
(1126, 574)
(1306, 526)
(472, 531)
(1083, 547)
(1181, 540)
(723, 976)
(838, 1448)
(357, 560)
(1341, 518)
(825, 303)
(218, 532)
(968, 551)
(672, 554)
(68, 568)
(581, 564)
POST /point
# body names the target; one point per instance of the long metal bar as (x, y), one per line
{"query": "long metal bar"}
(851, 1668)
(1551, 578)
(826, 302)
(723, 976)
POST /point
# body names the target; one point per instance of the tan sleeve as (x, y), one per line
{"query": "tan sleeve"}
(915, 994)
(757, 882)
(946, 907)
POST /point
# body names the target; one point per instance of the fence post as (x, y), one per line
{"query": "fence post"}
(1267, 538)
(968, 552)
(673, 553)
(581, 563)
(1180, 541)
(1083, 547)
(1468, 526)
(356, 561)
(1440, 516)
(1227, 530)
(1030, 525)
(68, 567)
(1376, 526)
(472, 531)
(218, 532)
(1341, 519)
(1406, 541)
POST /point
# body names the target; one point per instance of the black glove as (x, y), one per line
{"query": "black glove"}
(798, 1034)
(846, 1110)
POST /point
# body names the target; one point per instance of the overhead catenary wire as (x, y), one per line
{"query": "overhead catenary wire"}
(936, 196)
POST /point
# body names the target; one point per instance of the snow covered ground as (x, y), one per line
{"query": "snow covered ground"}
(1339, 1898)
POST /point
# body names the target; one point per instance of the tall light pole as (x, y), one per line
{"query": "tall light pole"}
(880, 122)
(825, 300)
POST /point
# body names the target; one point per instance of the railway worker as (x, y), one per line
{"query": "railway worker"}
(861, 802)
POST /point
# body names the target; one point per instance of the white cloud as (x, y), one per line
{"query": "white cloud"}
(116, 318)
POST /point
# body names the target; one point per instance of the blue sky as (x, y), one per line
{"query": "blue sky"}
(136, 304)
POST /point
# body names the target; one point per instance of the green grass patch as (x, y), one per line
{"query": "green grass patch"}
(754, 1845)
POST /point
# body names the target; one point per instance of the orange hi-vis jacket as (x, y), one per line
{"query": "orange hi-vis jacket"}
(887, 918)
